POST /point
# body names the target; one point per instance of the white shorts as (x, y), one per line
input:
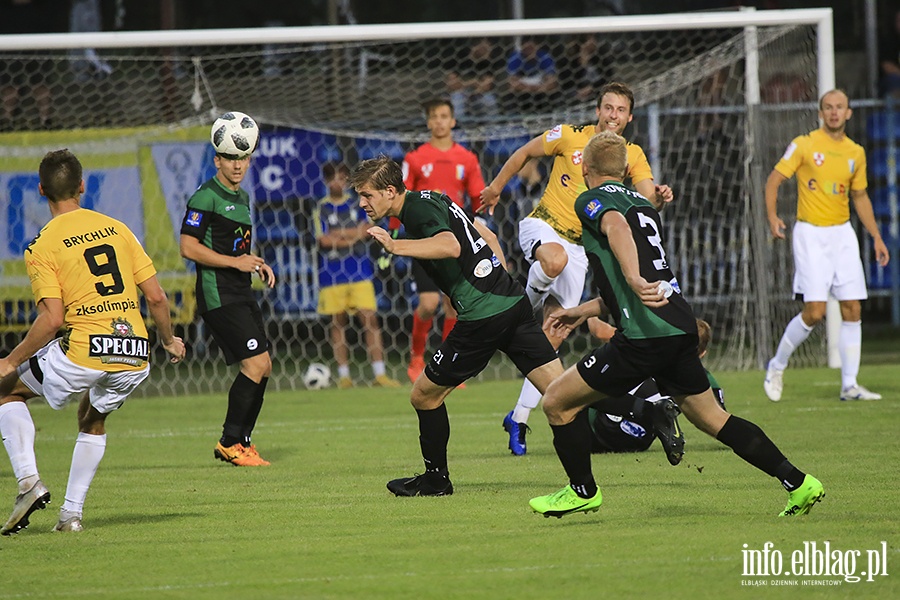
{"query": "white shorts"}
(50, 373)
(826, 259)
(569, 286)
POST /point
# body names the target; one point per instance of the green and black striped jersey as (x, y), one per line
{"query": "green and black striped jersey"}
(476, 282)
(633, 317)
(220, 219)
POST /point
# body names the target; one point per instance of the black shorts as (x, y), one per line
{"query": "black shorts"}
(617, 367)
(423, 282)
(471, 344)
(238, 329)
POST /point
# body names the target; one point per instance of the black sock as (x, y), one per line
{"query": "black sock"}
(752, 444)
(573, 446)
(434, 434)
(240, 399)
(253, 413)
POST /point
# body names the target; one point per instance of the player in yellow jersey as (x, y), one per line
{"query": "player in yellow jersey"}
(830, 170)
(85, 271)
(550, 236)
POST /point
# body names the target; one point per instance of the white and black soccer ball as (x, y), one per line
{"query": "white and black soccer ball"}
(234, 135)
(317, 376)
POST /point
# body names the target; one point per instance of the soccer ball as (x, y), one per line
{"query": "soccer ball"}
(234, 135)
(317, 376)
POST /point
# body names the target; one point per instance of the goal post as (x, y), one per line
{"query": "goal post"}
(718, 98)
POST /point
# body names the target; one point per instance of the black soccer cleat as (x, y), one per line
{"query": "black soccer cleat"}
(430, 483)
(665, 426)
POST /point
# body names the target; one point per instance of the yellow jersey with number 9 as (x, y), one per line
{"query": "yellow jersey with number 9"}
(93, 263)
(827, 171)
(566, 144)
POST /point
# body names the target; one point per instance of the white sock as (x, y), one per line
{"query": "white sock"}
(850, 346)
(17, 429)
(538, 284)
(529, 398)
(795, 334)
(378, 367)
(86, 458)
(343, 370)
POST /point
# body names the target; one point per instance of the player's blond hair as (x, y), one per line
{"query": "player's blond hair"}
(605, 155)
(380, 172)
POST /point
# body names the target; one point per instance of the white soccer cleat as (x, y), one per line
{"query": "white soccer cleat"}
(858, 392)
(774, 383)
(68, 521)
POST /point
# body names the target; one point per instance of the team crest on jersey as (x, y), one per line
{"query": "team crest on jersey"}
(818, 158)
(593, 207)
(577, 157)
(427, 169)
(122, 328)
(460, 172)
(193, 219)
(554, 134)
(243, 241)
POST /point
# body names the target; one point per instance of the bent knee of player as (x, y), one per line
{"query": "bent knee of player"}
(257, 367)
(813, 313)
(851, 310)
(426, 395)
(553, 259)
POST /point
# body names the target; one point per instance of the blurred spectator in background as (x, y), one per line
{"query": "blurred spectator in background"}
(889, 57)
(585, 66)
(532, 77)
(346, 273)
(26, 72)
(84, 16)
(472, 80)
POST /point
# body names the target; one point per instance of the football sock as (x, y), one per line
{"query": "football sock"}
(434, 434)
(343, 370)
(253, 413)
(448, 327)
(849, 345)
(86, 457)
(378, 367)
(241, 397)
(795, 334)
(573, 446)
(751, 443)
(537, 285)
(17, 429)
(420, 330)
(529, 398)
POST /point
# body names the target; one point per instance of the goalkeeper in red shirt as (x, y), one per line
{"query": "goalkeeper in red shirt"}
(442, 165)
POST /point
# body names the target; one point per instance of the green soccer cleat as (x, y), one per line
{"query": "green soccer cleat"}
(564, 502)
(803, 498)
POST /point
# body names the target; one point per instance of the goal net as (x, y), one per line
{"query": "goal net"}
(137, 112)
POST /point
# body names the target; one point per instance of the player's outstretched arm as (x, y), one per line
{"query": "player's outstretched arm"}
(436, 247)
(158, 305)
(776, 225)
(491, 194)
(658, 195)
(51, 315)
(863, 206)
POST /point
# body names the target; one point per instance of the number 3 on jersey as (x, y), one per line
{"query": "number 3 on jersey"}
(655, 240)
(108, 267)
(476, 241)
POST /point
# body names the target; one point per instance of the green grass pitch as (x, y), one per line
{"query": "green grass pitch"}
(165, 520)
